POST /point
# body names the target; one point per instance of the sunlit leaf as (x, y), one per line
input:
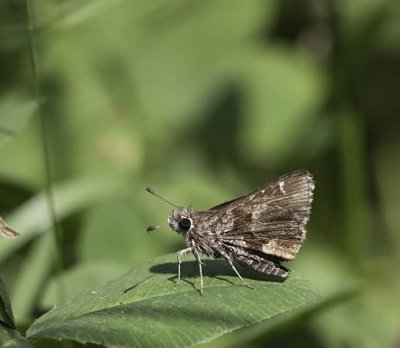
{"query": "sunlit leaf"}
(146, 308)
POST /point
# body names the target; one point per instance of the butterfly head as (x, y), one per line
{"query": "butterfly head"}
(180, 220)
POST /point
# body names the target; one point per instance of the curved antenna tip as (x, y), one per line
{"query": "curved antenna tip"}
(149, 189)
(152, 228)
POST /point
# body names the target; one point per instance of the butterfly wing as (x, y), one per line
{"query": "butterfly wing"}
(269, 222)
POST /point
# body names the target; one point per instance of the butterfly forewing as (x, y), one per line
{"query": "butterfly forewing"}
(270, 220)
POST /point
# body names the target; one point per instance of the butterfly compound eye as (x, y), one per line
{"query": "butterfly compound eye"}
(185, 224)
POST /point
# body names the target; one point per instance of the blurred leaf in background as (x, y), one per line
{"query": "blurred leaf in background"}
(204, 101)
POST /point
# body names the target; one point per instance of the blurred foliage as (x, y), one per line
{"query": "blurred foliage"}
(204, 101)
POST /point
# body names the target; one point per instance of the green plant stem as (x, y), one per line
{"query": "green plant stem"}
(45, 146)
(353, 157)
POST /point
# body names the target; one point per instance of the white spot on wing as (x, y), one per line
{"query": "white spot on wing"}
(281, 187)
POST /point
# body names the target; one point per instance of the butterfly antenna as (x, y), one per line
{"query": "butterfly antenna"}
(152, 228)
(148, 189)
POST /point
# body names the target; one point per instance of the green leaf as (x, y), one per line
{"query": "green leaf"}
(77, 279)
(33, 273)
(5, 306)
(32, 218)
(109, 233)
(163, 52)
(282, 91)
(15, 112)
(264, 331)
(11, 338)
(146, 308)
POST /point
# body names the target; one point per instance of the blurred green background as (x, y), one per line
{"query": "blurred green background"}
(203, 101)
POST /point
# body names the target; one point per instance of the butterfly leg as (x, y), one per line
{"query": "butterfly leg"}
(178, 256)
(229, 260)
(197, 256)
